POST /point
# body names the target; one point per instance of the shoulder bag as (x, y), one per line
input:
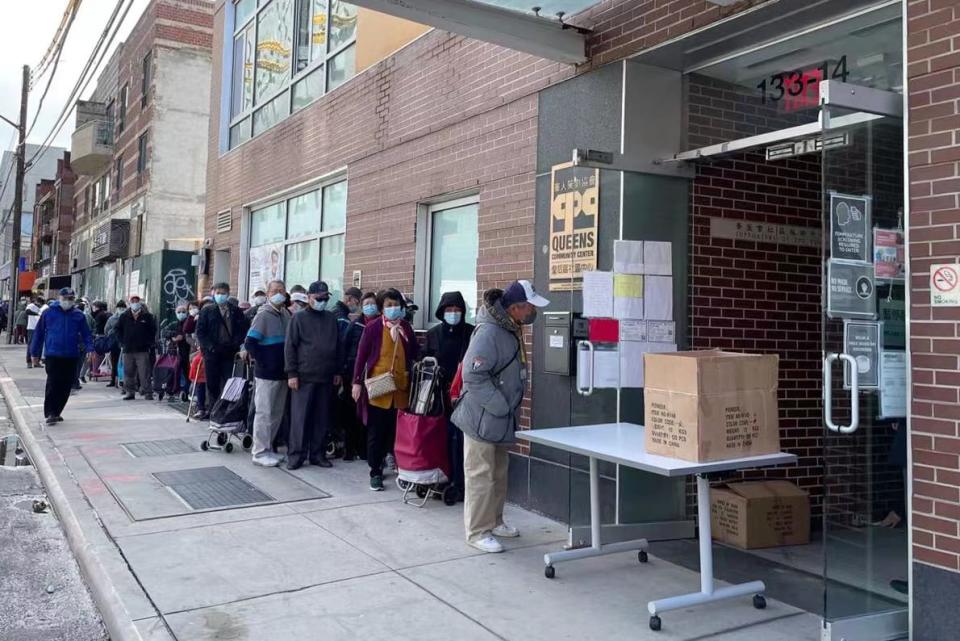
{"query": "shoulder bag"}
(383, 384)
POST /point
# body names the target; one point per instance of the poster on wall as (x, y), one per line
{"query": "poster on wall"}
(862, 340)
(266, 264)
(849, 227)
(888, 253)
(574, 210)
(851, 292)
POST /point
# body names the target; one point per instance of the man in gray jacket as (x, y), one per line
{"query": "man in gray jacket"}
(494, 381)
(314, 359)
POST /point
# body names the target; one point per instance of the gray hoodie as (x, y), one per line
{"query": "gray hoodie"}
(494, 375)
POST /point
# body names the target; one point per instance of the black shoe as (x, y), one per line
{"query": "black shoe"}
(148, 397)
(376, 484)
(129, 397)
(321, 462)
(185, 397)
(111, 384)
(51, 420)
(59, 418)
(294, 465)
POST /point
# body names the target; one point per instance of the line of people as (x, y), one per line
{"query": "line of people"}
(315, 362)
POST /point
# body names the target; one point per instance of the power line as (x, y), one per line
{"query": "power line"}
(84, 79)
(75, 4)
(58, 37)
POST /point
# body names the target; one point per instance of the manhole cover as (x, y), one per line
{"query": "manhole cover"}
(207, 488)
(166, 447)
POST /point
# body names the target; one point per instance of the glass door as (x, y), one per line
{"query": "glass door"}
(864, 377)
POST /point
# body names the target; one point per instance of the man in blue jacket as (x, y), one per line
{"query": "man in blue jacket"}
(63, 337)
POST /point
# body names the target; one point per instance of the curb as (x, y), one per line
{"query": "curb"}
(115, 617)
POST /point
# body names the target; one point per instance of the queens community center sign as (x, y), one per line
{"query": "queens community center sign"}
(574, 210)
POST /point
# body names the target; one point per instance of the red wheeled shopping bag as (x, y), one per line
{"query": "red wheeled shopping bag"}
(421, 444)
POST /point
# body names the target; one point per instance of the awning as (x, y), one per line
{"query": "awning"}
(509, 23)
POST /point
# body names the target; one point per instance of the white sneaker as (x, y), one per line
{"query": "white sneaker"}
(486, 544)
(266, 460)
(390, 464)
(506, 531)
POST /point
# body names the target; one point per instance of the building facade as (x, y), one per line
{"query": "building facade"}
(53, 216)
(139, 209)
(432, 166)
(43, 166)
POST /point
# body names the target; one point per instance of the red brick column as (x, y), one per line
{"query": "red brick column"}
(933, 59)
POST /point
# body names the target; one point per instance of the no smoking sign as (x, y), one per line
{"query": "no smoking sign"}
(945, 285)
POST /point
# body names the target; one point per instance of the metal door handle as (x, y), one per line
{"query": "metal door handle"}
(828, 362)
(589, 389)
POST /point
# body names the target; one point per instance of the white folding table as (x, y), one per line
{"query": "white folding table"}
(623, 443)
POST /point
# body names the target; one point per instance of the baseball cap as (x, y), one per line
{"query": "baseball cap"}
(68, 292)
(318, 287)
(298, 297)
(522, 291)
(353, 291)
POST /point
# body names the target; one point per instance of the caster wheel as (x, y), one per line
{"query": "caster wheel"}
(228, 448)
(449, 495)
(222, 439)
(247, 442)
(642, 556)
(421, 491)
(403, 485)
(549, 572)
(204, 446)
(759, 602)
(655, 623)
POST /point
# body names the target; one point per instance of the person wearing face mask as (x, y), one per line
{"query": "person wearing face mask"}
(351, 330)
(494, 381)
(177, 332)
(299, 300)
(110, 330)
(369, 307)
(63, 336)
(314, 360)
(387, 345)
(137, 333)
(447, 342)
(221, 330)
(258, 300)
(265, 344)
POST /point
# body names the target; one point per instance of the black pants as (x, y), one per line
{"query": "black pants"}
(61, 373)
(311, 412)
(114, 363)
(219, 369)
(455, 456)
(381, 433)
(355, 442)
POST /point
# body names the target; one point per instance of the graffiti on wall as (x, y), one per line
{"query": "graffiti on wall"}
(177, 287)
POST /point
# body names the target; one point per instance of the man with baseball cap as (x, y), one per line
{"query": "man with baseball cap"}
(494, 380)
(314, 361)
(63, 337)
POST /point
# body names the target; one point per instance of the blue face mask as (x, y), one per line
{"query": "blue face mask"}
(452, 318)
(370, 310)
(220, 299)
(393, 313)
(181, 316)
(319, 305)
(136, 306)
(278, 299)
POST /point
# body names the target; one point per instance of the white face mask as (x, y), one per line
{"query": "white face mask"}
(278, 299)
(194, 311)
(259, 300)
(66, 304)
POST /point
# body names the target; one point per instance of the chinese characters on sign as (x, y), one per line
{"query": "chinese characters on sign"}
(574, 210)
(764, 232)
(850, 290)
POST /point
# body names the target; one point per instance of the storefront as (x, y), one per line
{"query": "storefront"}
(767, 185)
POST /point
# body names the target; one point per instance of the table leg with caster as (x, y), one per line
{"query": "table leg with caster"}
(596, 547)
(708, 593)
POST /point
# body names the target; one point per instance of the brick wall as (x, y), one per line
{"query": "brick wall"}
(933, 59)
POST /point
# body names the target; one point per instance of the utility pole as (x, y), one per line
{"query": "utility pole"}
(17, 210)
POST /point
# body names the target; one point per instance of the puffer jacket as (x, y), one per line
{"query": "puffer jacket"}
(61, 334)
(494, 375)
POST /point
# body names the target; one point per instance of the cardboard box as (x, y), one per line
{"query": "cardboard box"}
(760, 514)
(711, 405)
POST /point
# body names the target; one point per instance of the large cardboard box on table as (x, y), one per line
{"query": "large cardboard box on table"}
(760, 514)
(711, 405)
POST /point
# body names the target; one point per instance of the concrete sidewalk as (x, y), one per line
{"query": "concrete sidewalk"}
(316, 555)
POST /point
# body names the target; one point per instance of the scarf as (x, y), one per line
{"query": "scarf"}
(396, 331)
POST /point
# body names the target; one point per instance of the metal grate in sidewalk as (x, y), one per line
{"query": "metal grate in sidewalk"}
(208, 488)
(167, 447)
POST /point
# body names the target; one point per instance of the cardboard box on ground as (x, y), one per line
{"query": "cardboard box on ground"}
(760, 514)
(711, 405)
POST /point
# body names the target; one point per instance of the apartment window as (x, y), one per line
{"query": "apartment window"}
(448, 247)
(122, 113)
(86, 200)
(286, 54)
(142, 153)
(119, 172)
(146, 79)
(300, 239)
